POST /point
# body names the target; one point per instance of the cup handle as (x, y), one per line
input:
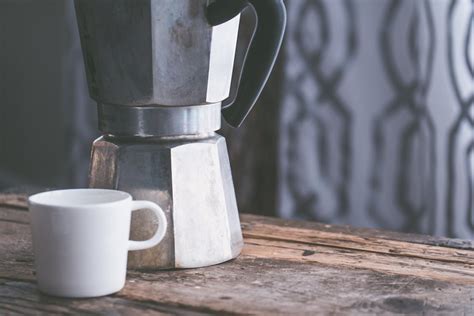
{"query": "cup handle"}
(160, 232)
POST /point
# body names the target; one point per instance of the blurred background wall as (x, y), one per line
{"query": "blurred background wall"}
(47, 120)
(367, 119)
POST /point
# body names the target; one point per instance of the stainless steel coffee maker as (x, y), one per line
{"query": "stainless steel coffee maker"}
(161, 71)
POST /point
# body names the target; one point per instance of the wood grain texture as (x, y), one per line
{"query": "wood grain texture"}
(286, 268)
(13, 201)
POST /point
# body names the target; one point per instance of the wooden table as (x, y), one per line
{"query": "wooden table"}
(286, 267)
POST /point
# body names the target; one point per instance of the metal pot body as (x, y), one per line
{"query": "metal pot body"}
(155, 52)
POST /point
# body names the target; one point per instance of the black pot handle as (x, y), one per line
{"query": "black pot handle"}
(261, 56)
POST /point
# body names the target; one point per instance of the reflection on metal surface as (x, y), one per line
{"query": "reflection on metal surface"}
(160, 121)
(150, 52)
(191, 181)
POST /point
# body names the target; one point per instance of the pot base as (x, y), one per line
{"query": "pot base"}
(191, 180)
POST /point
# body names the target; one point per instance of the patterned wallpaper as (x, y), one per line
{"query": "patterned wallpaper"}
(376, 123)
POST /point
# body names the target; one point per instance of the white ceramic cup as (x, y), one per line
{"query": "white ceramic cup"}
(81, 240)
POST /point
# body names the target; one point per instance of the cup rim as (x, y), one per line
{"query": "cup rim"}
(47, 198)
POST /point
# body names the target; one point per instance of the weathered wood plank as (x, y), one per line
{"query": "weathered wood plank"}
(261, 286)
(20, 201)
(346, 259)
(266, 286)
(286, 268)
(336, 249)
(14, 200)
(363, 232)
(22, 298)
(349, 240)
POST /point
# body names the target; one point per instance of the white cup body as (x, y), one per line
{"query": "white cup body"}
(81, 241)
